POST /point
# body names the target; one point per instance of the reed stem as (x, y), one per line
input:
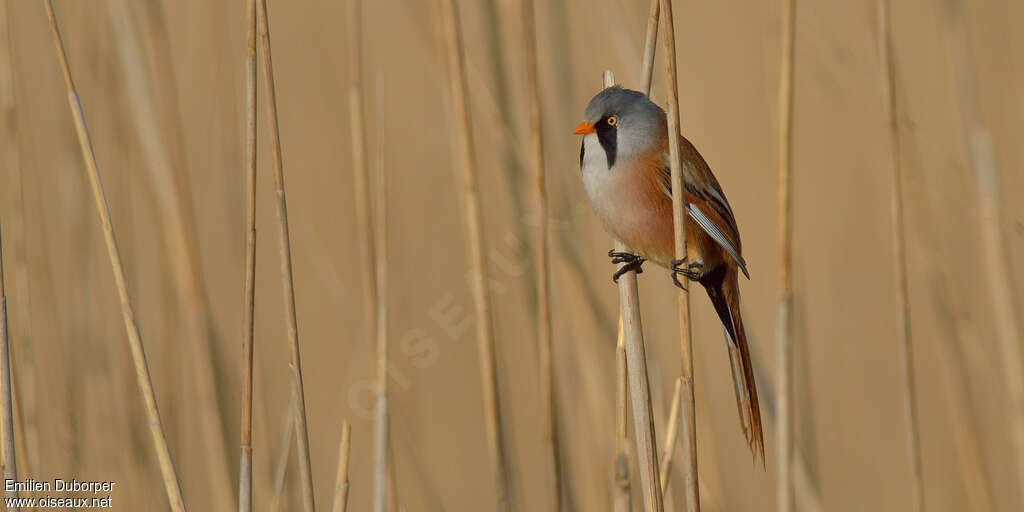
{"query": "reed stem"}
(671, 431)
(636, 372)
(10, 469)
(249, 294)
(546, 361)
(170, 477)
(287, 279)
(341, 483)
(24, 383)
(179, 235)
(679, 222)
(484, 333)
(888, 68)
(284, 454)
(622, 497)
(381, 422)
(996, 265)
(784, 320)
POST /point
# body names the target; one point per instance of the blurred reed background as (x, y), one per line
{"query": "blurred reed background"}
(162, 86)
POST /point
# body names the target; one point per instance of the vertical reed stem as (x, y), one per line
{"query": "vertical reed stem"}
(287, 280)
(636, 372)
(281, 464)
(381, 426)
(536, 151)
(249, 295)
(484, 332)
(10, 469)
(341, 484)
(360, 170)
(996, 265)
(622, 493)
(170, 477)
(650, 45)
(24, 384)
(888, 65)
(179, 235)
(679, 222)
(622, 498)
(671, 430)
(784, 320)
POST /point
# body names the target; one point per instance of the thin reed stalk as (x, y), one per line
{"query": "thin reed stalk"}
(636, 373)
(484, 333)
(287, 280)
(24, 382)
(671, 431)
(281, 464)
(170, 477)
(381, 427)
(535, 149)
(360, 169)
(10, 468)
(888, 68)
(622, 498)
(679, 222)
(249, 293)
(996, 266)
(179, 235)
(622, 492)
(957, 397)
(784, 319)
(650, 45)
(341, 483)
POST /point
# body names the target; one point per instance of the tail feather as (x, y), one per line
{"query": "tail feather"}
(722, 286)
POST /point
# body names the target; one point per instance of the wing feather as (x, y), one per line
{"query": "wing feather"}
(709, 209)
(716, 234)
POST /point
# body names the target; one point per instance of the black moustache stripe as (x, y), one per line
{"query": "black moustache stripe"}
(607, 136)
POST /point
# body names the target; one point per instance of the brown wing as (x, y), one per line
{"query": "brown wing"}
(709, 209)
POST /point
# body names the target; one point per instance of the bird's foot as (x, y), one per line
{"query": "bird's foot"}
(632, 263)
(692, 271)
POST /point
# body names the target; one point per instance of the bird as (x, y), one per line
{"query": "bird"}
(624, 160)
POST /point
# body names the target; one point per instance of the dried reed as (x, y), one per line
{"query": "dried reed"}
(671, 429)
(10, 468)
(360, 170)
(381, 426)
(287, 281)
(542, 269)
(650, 46)
(284, 454)
(24, 382)
(957, 395)
(249, 293)
(636, 373)
(484, 332)
(784, 319)
(679, 222)
(170, 477)
(996, 265)
(888, 68)
(180, 238)
(621, 496)
(341, 483)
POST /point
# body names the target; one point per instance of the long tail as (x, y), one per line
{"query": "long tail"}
(723, 290)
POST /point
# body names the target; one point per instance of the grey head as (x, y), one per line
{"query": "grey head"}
(626, 123)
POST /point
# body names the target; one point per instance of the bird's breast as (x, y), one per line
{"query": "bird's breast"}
(628, 200)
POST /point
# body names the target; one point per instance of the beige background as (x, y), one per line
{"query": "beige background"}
(72, 367)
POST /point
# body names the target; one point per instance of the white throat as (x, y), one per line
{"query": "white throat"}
(596, 173)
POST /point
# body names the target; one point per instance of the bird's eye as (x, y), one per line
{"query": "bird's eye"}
(612, 121)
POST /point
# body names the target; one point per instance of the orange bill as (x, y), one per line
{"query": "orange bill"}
(584, 128)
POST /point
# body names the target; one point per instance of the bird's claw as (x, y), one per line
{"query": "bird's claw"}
(692, 271)
(632, 263)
